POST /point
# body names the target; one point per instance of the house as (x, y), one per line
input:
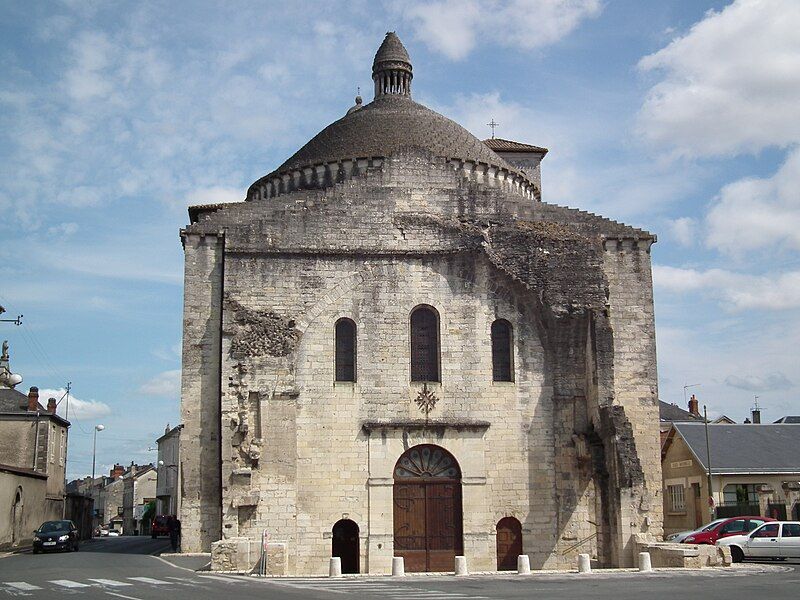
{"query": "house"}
(33, 453)
(755, 470)
(139, 489)
(672, 413)
(168, 499)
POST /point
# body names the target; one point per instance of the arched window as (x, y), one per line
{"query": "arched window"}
(501, 351)
(345, 350)
(424, 344)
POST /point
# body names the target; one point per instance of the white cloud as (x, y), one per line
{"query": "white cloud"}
(63, 229)
(454, 27)
(214, 195)
(730, 85)
(683, 230)
(78, 409)
(734, 291)
(166, 384)
(760, 383)
(755, 213)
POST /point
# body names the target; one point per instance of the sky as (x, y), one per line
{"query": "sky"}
(679, 117)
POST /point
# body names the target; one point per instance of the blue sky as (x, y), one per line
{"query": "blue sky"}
(679, 117)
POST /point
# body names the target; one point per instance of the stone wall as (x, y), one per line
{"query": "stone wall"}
(566, 448)
(22, 506)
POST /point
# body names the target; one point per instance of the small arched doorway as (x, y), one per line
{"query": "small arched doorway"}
(345, 545)
(16, 518)
(428, 519)
(509, 543)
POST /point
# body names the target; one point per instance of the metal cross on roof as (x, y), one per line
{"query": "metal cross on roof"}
(492, 124)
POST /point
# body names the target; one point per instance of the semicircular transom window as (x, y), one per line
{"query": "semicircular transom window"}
(427, 461)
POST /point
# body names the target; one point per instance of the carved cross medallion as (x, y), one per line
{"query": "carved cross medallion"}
(426, 400)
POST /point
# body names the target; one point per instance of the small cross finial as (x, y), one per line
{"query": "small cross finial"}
(358, 90)
(492, 124)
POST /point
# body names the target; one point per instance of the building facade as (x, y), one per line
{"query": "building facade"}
(393, 347)
(168, 499)
(33, 453)
(755, 471)
(138, 490)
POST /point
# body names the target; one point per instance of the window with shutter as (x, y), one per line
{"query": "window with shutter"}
(501, 351)
(345, 350)
(424, 344)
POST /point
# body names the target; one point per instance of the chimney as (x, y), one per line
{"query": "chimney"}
(33, 399)
(694, 406)
(756, 412)
(117, 471)
(51, 405)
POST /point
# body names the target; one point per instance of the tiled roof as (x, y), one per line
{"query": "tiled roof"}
(672, 412)
(385, 126)
(745, 448)
(501, 145)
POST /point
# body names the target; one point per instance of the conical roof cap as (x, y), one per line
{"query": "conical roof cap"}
(391, 50)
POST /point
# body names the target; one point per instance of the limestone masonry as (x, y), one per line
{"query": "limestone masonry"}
(393, 347)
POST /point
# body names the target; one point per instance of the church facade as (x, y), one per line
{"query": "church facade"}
(393, 347)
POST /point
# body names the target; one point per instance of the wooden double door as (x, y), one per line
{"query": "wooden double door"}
(427, 510)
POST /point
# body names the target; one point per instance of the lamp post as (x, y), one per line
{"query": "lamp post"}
(94, 447)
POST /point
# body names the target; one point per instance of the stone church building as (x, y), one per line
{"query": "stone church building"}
(393, 347)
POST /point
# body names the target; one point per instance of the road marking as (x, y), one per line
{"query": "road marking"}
(150, 580)
(21, 585)
(69, 584)
(118, 595)
(110, 582)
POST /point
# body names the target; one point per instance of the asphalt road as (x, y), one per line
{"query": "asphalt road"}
(126, 568)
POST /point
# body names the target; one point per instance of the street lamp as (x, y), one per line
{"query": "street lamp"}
(94, 446)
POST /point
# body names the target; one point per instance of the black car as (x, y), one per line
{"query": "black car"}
(55, 535)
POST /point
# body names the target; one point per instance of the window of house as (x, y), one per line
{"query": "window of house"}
(740, 493)
(62, 448)
(501, 351)
(424, 344)
(345, 350)
(677, 498)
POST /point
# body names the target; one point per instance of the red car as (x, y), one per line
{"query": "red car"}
(728, 527)
(160, 526)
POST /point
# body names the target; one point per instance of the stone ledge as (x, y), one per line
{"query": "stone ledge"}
(421, 424)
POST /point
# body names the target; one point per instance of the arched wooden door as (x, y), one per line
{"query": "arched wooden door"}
(509, 543)
(427, 509)
(345, 545)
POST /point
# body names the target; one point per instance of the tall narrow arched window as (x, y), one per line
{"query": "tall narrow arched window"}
(424, 344)
(501, 351)
(345, 350)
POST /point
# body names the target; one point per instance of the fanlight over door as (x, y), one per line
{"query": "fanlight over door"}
(427, 509)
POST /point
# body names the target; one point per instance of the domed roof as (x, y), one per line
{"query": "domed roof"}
(386, 125)
(390, 123)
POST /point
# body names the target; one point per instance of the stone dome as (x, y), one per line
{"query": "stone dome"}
(385, 126)
(392, 122)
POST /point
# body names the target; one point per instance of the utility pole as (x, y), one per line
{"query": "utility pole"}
(708, 454)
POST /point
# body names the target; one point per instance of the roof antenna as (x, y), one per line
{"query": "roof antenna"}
(492, 124)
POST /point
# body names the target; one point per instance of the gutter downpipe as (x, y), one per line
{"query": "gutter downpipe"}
(712, 505)
(36, 443)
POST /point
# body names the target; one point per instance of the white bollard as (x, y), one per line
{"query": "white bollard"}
(584, 563)
(398, 566)
(645, 566)
(523, 564)
(335, 567)
(461, 565)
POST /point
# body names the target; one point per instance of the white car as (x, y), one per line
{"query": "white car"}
(776, 539)
(113, 533)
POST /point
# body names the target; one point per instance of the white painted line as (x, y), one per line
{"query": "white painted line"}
(110, 582)
(118, 595)
(21, 585)
(150, 580)
(69, 584)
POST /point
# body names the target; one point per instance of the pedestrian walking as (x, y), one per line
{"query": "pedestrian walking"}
(174, 526)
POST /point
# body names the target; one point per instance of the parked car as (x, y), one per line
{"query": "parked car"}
(677, 538)
(160, 526)
(56, 535)
(777, 540)
(113, 533)
(726, 528)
